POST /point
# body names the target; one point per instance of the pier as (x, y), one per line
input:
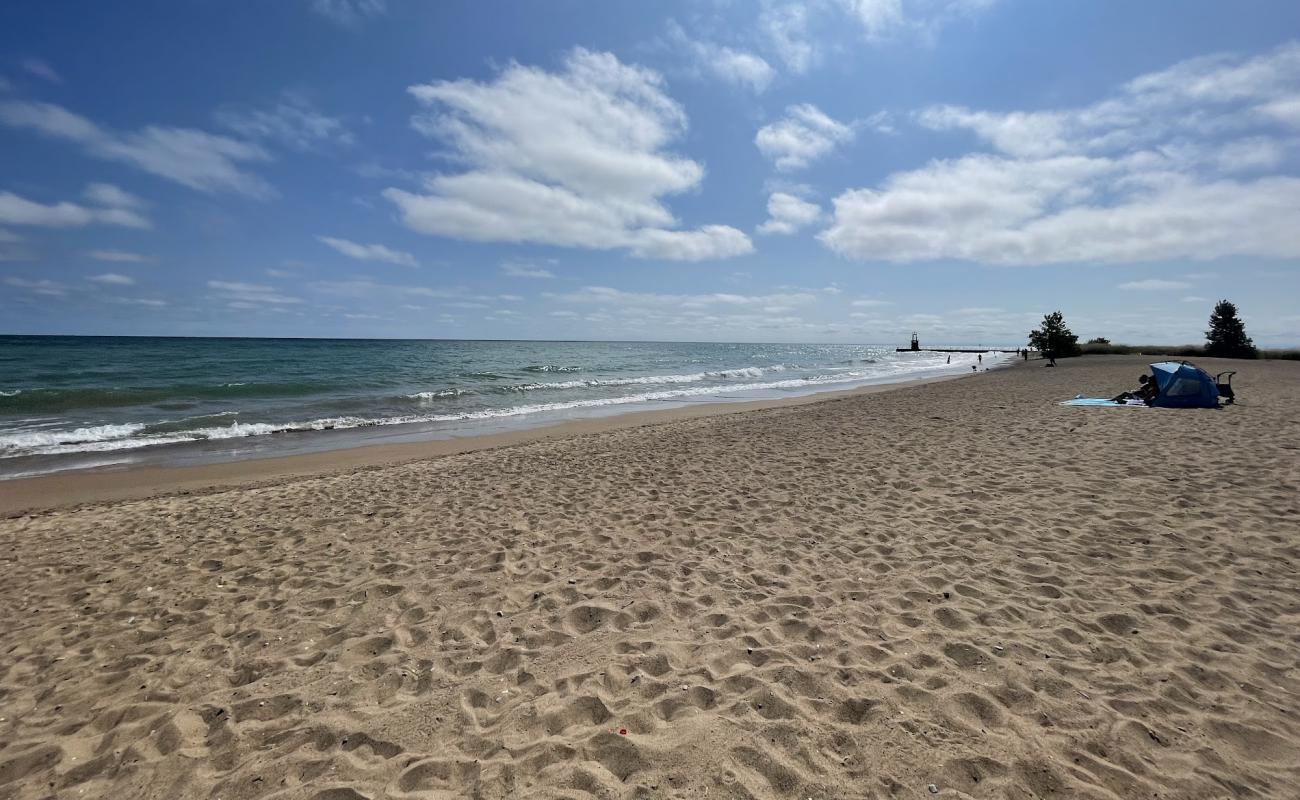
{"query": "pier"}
(917, 348)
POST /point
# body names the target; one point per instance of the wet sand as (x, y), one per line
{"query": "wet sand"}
(958, 585)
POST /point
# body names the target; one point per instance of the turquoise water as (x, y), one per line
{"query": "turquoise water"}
(62, 397)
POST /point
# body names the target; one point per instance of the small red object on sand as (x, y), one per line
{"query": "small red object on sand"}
(622, 731)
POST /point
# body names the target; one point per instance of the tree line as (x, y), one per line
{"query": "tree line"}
(1225, 338)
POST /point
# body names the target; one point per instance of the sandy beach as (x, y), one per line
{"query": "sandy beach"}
(957, 589)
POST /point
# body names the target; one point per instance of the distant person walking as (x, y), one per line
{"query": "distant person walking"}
(980, 357)
(1025, 352)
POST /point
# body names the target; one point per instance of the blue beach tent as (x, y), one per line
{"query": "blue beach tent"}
(1183, 385)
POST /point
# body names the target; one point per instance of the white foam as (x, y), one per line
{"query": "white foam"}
(441, 394)
(651, 380)
(30, 440)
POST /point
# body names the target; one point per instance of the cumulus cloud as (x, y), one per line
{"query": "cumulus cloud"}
(788, 213)
(797, 32)
(876, 16)
(16, 210)
(369, 252)
(802, 136)
(880, 19)
(574, 158)
(725, 63)
(190, 157)
(786, 29)
(293, 122)
(112, 278)
(1180, 163)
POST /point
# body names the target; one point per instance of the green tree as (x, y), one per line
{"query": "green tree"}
(1099, 340)
(1227, 337)
(1053, 337)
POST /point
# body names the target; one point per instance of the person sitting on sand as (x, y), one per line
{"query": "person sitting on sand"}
(1146, 391)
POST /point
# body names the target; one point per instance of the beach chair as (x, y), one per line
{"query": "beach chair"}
(1225, 386)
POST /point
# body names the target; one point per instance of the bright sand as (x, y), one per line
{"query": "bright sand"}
(959, 584)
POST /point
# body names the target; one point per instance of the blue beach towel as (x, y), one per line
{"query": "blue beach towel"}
(1102, 401)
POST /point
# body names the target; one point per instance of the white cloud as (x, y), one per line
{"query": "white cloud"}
(139, 301)
(1194, 299)
(1150, 173)
(876, 16)
(868, 302)
(733, 66)
(572, 158)
(118, 255)
(190, 157)
(786, 30)
(1033, 134)
(804, 135)
(349, 13)
(42, 70)
(881, 19)
(250, 295)
(513, 270)
(369, 252)
(113, 278)
(1154, 285)
(47, 288)
(617, 297)
(106, 194)
(1284, 109)
(15, 210)
(1257, 153)
(293, 122)
(702, 244)
(787, 214)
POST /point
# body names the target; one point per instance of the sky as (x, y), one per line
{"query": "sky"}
(827, 171)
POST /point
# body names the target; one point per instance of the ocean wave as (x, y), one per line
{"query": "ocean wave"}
(647, 380)
(551, 368)
(34, 440)
(440, 394)
(10, 392)
(119, 437)
(105, 438)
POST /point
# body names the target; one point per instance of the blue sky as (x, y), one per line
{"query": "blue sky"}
(838, 170)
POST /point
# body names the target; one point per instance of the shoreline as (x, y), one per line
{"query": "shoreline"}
(77, 487)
